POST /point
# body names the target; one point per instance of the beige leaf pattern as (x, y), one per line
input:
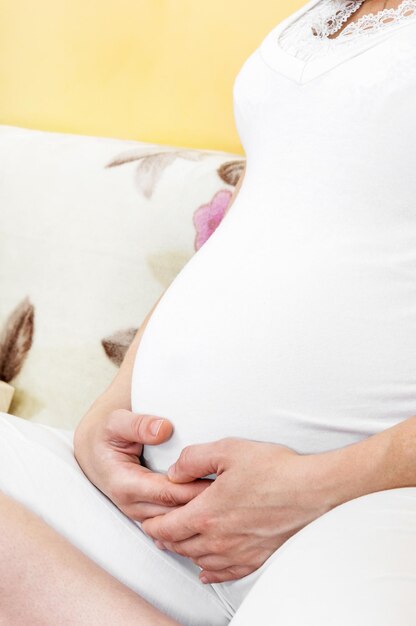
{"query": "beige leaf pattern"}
(117, 344)
(150, 170)
(152, 165)
(130, 156)
(16, 340)
(137, 155)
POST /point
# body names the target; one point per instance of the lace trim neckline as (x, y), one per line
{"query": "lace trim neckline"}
(306, 36)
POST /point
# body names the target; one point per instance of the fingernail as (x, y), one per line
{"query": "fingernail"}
(203, 579)
(155, 427)
(171, 471)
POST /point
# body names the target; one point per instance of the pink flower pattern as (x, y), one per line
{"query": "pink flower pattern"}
(208, 216)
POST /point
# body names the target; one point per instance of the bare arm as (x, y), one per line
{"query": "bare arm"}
(386, 460)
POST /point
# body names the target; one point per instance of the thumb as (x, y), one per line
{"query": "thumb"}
(138, 427)
(197, 461)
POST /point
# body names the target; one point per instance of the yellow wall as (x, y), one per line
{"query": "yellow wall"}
(152, 70)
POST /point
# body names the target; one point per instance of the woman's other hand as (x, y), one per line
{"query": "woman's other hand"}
(108, 452)
(263, 494)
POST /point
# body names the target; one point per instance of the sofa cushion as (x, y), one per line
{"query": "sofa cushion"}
(92, 230)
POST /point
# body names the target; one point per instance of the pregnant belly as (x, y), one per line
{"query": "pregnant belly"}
(288, 341)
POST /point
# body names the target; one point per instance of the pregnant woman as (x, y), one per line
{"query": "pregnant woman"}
(254, 459)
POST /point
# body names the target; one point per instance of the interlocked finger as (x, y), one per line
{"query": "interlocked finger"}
(229, 573)
(194, 547)
(213, 562)
(139, 511)
(141, 486)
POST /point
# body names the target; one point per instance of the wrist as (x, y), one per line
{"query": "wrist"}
(352, 471)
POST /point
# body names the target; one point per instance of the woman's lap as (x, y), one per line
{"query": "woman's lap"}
(38, 468)
(355, 564)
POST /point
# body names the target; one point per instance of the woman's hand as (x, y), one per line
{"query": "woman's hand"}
(108, 452)
(263, 494)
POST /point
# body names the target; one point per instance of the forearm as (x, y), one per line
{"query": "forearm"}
(386, 460)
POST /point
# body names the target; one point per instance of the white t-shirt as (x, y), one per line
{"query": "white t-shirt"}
(295, 322)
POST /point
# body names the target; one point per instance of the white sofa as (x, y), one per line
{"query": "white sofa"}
(92, 230)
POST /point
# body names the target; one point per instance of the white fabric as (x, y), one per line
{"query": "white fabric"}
(296, 321)
(354, 565)
(38, 469)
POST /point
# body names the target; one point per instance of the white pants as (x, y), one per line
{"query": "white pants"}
(354, 565)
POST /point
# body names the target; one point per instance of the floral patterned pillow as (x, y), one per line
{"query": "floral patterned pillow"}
(92, 230)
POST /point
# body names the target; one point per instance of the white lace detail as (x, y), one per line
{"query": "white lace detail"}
(306, 37)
